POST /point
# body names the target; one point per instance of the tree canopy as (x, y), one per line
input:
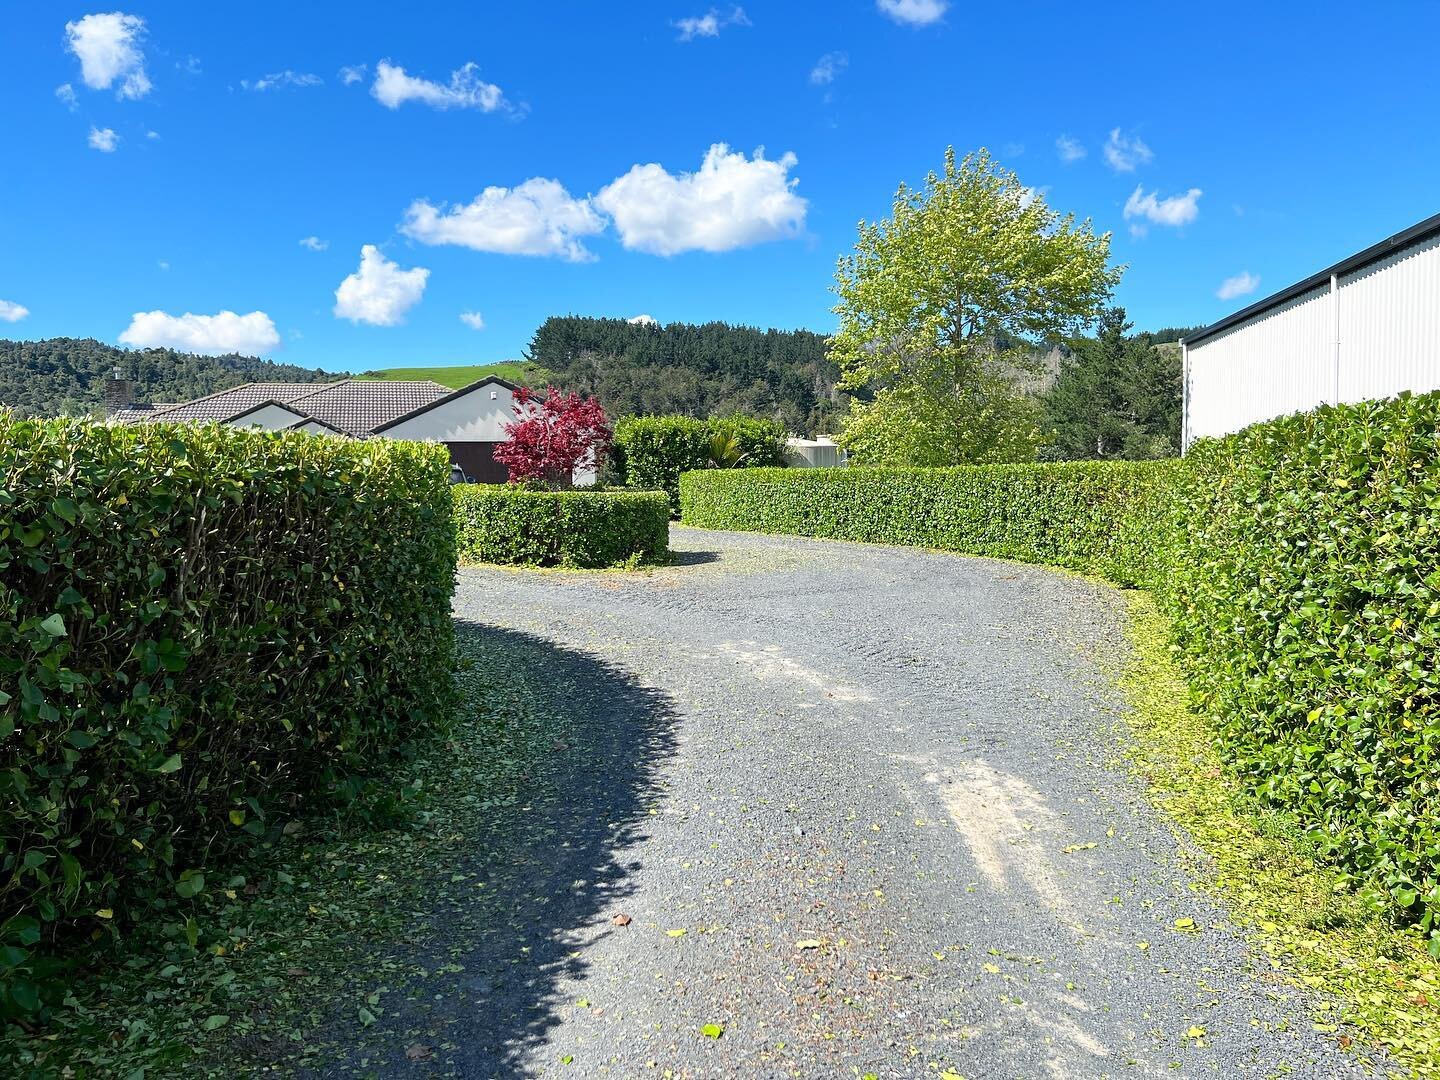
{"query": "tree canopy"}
(66, 376)
(940, 306)
(707, 370)
(1116, 396)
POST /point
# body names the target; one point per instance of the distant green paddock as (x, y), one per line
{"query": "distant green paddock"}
(456, 376)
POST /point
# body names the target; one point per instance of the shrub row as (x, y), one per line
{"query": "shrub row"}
(506, 523)
(201, 630)
(652, 451)
(1300, 564)
(1100, 517)
(1305, 593)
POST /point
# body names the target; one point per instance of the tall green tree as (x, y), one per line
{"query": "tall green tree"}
(942, 302)
(1116, 397)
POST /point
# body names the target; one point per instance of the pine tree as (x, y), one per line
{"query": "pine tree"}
(1116, 397)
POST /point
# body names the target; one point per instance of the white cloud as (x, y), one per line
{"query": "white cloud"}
(1070, 149)
(710, 24)
(350, 74)
(538, 217)
(66, 93)
(103, 139)
(643, 320)
(162, 264)
(466, 90)
(108, 48)
(1029, 194)
(1149, 207)
(473, 319)
(314, 243)
(1242, 284)
(1124, 153)
(278, 80)
(214, 335)
(154, 136)
(914, 12)
(828, 68)
(731, 202)
(379, 293)
(12, 312)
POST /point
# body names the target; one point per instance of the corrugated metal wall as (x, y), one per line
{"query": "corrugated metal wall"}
(1386, 317)
(1390, 325)
(1280, 363)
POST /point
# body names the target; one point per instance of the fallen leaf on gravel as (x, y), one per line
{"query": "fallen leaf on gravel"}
(712, 1031)
(809, 943)
(1070, 849)
(1196, 1032)
(418, 1052)
(951, 1074)
(567, 1059)
(1186, 926)
(992, 969)
(675, 933)
(620, 919)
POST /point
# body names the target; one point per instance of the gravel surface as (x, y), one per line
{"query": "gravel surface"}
(863, 810)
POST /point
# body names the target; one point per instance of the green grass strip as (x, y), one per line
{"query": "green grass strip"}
(1371, 984)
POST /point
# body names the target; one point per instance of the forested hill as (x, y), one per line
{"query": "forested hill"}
(700, 370)
(66, 376)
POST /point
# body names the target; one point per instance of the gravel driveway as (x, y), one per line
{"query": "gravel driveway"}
(863, 810)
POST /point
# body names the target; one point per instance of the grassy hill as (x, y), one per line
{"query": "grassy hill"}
(516, 371)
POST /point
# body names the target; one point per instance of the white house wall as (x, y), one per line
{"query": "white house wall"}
(474, 417)
(314, 427)
(1280, 363)
(1390, 325)
(269, 417)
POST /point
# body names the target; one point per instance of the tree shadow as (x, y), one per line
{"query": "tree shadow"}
(533, 882)
(693, 558)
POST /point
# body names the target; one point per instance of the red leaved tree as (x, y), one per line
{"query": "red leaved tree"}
(553, 436)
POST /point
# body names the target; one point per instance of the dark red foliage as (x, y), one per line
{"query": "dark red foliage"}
(553, 436)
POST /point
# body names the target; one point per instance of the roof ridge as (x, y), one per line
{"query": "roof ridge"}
(245, 386)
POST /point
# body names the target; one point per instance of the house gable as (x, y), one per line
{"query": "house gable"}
(269, 415)
(474, 413)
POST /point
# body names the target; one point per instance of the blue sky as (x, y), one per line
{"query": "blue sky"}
(168, 159)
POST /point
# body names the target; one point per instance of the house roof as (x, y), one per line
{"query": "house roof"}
(427, 406)
(1416, 234)
(350, 406)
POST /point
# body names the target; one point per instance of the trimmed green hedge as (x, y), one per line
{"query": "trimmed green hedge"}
(652, 451)
(1305, 594)
(201, 629)
(1101, 517)
(519, 526)
(1300, 564)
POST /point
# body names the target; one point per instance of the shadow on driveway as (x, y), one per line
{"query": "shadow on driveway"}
(535, 880)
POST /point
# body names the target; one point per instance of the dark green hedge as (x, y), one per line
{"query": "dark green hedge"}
(1100, 517)
(506, 523)
(652, 451)
(201, 629)
(1305, 595)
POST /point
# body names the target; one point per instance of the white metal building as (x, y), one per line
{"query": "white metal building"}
(1367, 327)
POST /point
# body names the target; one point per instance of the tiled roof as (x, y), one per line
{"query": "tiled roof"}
(238, 399)
(361, 407)
(354, 407)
